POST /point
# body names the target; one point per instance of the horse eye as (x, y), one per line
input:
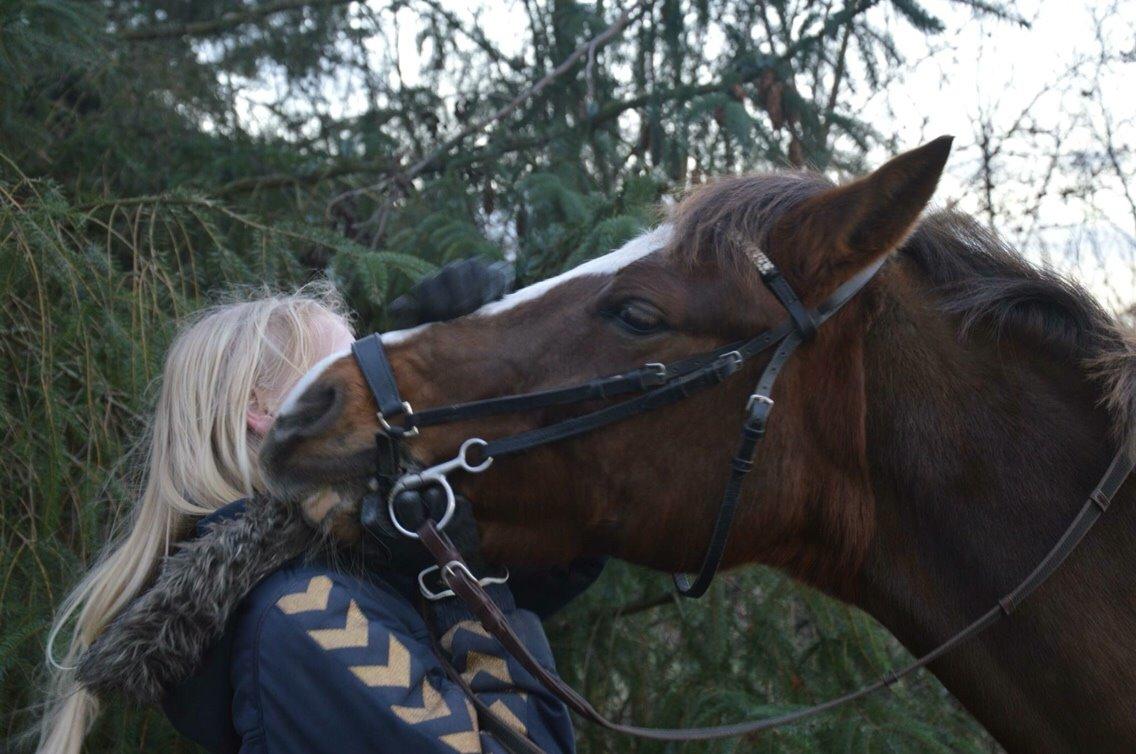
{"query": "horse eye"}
(639, 318)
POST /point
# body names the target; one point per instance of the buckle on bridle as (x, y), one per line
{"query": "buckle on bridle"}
(757, 413)
(449, 571)
(395, 430)
(758, 398)
(728, 363)
(654, 374)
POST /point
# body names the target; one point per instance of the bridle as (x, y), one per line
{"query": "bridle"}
(654, 386)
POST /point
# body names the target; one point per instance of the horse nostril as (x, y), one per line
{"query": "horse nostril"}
(312, 414)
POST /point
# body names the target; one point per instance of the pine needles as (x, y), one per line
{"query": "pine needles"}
(757, 645)
(92, 293)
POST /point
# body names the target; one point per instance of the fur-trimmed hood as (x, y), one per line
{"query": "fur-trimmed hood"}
(160, 638)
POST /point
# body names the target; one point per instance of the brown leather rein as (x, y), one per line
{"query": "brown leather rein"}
(458, 577)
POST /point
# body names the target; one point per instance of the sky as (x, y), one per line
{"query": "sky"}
(1001, 70)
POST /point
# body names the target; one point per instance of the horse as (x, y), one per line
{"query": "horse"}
(926, 448)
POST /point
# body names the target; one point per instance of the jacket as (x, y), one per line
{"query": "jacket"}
(316, 659)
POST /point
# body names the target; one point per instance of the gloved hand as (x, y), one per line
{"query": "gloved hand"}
(458, 288)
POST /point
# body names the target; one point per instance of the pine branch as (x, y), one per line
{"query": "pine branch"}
(568, 63)
(361, 167)
(837, 76)
(222, 23)
(283, 180)
(475, 35)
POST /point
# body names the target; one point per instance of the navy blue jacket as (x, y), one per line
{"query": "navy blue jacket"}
(317, 660)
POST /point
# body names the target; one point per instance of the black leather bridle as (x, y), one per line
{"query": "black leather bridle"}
(655, 386)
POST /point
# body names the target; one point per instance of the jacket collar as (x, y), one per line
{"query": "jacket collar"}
(228, 512)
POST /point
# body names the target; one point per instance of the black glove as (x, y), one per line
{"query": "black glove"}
(458, 288)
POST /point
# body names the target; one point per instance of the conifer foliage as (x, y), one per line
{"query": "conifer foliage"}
(154, 153)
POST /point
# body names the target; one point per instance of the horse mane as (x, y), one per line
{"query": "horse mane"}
(979, 280)
(987, 284)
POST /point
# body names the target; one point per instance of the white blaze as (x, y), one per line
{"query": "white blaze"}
(632, 251)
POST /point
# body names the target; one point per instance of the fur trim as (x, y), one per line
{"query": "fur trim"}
(160, 638)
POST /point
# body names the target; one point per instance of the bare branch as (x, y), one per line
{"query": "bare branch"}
(566, 65)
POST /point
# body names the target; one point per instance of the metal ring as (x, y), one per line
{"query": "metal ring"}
(437, 475)
(443, 594)
(405, 483)
(408, 411)
(463, 456)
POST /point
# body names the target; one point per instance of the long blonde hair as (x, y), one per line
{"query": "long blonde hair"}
(199, 456)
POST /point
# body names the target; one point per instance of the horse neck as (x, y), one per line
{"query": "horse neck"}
(981, 453)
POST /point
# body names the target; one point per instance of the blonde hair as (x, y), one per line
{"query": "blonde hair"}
(199, 456)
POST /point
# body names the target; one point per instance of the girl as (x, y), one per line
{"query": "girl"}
(316, 659)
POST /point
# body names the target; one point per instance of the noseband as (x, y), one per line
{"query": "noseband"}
(653, 386)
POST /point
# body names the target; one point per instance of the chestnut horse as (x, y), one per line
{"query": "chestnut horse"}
(926, 449)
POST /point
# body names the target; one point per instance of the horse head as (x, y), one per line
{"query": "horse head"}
(645, 489)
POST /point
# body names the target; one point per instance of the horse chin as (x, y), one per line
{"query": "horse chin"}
(336, 512)
(298, 481)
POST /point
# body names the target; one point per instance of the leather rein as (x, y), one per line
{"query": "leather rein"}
(653, 386)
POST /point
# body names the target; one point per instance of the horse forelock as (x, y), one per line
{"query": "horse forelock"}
(725, 220)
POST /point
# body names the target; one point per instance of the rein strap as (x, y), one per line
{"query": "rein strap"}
(494, 621)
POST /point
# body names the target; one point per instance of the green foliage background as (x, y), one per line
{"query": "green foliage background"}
(136, 182)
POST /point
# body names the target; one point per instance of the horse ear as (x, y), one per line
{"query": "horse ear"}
(852, 225)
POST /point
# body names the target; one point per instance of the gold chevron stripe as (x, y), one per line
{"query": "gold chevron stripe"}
(468, 742)
(472, 626)
(502, 711)
(469, 709)
(479, 662)
(313, 598)
(433, 707)
(396, 673)
(353, 633)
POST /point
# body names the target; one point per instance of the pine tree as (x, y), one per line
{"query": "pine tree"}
(137, 176)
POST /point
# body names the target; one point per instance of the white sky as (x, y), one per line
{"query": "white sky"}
(1000, 69)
